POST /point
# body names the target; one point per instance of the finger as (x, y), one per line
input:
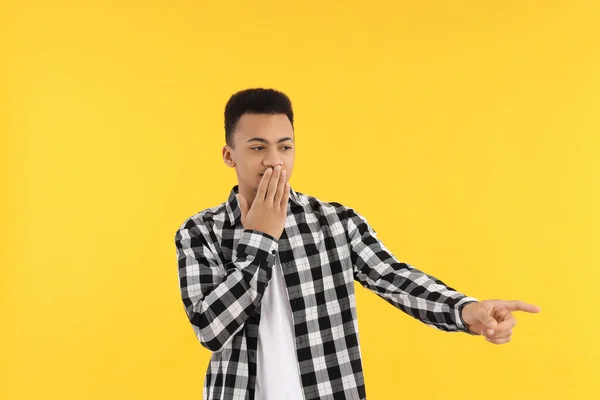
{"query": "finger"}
(286, 196)
(280, 188)
(518, 305)
(498, 341)
(487, 320)
(262, 186)
(273, 185)
(508, 321)
(500, 334)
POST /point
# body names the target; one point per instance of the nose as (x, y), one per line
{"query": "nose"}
(273, 159)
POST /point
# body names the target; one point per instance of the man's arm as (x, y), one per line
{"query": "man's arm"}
(422, 296)
(219, 299)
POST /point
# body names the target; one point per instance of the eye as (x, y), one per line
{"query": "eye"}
(287, 148)
(257, 148)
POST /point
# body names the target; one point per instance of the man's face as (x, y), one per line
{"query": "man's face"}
(260, 141)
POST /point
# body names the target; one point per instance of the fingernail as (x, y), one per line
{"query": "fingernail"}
(491, 332)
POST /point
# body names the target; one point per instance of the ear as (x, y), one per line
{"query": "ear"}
(228, 156)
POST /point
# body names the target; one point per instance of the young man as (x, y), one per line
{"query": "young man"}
(267, 277)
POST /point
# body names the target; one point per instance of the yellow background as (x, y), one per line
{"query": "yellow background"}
(466, 133)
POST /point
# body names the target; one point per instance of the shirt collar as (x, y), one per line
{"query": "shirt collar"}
(233, 210)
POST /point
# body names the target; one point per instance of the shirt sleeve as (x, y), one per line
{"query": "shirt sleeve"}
(421, 296)
(219, 297)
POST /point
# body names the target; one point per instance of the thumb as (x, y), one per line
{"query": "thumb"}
(490, 323)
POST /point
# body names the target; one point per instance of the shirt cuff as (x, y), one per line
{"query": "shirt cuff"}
(460, 322)
(260, 245)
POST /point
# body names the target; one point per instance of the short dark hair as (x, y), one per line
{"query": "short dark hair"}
(255, 101)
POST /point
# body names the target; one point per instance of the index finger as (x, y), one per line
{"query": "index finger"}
(518, 305)
(262, 186)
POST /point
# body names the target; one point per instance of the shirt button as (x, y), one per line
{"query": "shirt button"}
(273, 252)
(251, 352)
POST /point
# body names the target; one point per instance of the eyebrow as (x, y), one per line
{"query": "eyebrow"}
(258, 139)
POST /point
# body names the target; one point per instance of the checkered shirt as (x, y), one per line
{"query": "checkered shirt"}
(224, 270)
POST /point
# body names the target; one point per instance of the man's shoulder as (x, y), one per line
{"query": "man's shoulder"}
(320, 206)
(204, 218)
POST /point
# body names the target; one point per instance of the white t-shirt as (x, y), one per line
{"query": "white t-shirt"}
(278, 374)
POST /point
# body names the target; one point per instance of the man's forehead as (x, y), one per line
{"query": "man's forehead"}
(272, 128)
(254, 120)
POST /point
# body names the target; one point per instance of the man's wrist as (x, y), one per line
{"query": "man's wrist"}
(460, 322)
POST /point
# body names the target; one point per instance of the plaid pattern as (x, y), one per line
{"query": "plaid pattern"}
(224, 271)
